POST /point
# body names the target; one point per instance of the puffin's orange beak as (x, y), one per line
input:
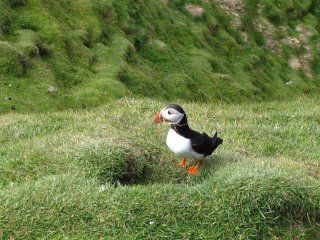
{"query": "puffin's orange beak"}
(157, 118)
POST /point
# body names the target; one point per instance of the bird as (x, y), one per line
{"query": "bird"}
(183, 141)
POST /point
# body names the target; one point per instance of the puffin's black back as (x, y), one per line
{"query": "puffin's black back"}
(204, 144)
(201, 143)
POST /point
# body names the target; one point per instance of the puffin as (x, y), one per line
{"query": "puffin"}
(183, 141)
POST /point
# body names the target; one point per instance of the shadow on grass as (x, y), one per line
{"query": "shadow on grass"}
(209, 167)
(168, 172)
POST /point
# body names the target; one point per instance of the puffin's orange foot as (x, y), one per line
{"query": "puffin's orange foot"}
(182, 163)
(192, 170)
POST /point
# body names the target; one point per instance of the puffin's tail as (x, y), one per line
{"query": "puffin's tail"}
(216, 141)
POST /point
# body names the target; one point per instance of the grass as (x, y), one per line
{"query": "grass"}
(87, 162)
(93, 51)
(106, 173)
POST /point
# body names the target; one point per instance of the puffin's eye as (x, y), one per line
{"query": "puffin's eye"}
(169, 112)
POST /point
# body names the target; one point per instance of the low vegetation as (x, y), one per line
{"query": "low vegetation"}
(80, 82)
(106, 173)
(92, 51)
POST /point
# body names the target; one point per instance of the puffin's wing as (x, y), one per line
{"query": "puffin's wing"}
(201, 143)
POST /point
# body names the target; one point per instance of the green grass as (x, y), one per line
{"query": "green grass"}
(106, 173)
(93, 51)
(87, 161)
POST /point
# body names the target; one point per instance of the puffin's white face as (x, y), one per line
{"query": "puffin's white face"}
(171, 115)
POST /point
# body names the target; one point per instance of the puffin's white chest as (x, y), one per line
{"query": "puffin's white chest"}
(181, 146)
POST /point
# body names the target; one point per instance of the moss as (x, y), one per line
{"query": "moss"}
(9, 60)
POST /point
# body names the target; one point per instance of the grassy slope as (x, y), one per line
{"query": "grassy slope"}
(106, 172)
(93, 51)
(57, 171)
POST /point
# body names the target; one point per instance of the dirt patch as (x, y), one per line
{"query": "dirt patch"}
(294, 63)
(298, 41)
(302, 62)
(234, 8)
(266, 29)
(291, 41)
(314, 171)
(194, 10)
(304, 33)
(244, 36)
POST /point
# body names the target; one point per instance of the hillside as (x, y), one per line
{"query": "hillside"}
(62, 54)
(106, 173)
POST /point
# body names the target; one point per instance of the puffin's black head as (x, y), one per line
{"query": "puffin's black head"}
(173, 114)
